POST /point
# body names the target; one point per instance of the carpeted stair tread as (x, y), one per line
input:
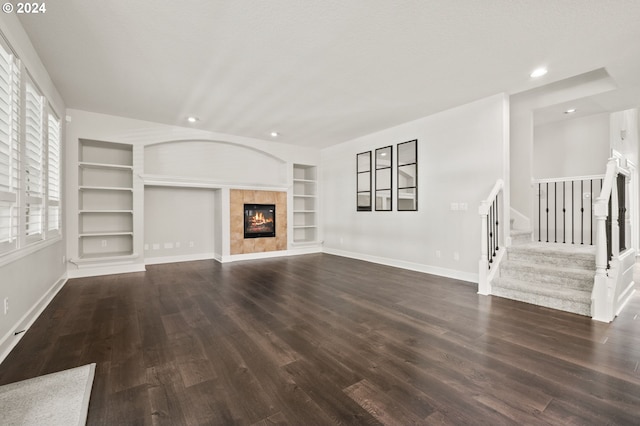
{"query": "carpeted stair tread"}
(562, 255)
(519, 237)
(558, 248)
(578, 305)
(557, 276)
(578, 278)
(547, 289)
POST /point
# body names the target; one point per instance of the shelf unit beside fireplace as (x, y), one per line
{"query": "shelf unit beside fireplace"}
(305, 204)
(105, 196)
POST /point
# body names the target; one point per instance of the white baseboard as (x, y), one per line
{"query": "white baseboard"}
(254, 256)
(295, 251)
(11, 339)
(231, 258)
(181, 258)
(105, 270)
(418, 267)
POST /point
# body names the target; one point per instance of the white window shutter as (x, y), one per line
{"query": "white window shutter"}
(9, 149)
(34, 163)
(53, 173)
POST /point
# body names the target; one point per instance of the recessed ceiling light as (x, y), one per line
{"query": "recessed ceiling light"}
(570, 111)
(192, 119)
(275, 134)
(538, 72)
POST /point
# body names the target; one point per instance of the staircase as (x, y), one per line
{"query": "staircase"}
(591, 272)
(558, 276)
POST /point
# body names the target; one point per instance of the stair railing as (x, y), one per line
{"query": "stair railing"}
(613, 281)
(491, 212)
(564, 209)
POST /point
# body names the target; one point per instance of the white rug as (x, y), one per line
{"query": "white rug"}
(55, 399)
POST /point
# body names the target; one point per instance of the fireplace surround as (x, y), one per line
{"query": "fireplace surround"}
(240, 245)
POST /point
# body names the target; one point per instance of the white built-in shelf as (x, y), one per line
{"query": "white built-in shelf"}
(84, 164)
(305, 204)
(105, 191)
(104, 234)
(106, 211)
(104, 188)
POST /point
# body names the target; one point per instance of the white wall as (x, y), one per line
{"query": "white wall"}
(461, 154)
(577, 147)
(178, 223)
(521, 158)
(31, 278)
(625, 123)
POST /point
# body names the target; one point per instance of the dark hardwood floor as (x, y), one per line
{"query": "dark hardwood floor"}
(320, 339)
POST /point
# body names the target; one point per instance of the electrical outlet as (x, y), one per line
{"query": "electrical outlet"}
(438, 254)
(192, 244)
(456, 255)
(104, 243)
(168, 245)
(6, 305)
(178, 244)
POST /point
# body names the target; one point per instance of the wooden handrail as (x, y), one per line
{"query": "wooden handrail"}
(566, 179)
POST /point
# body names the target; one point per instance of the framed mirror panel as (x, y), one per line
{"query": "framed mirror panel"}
(407, 169)
(363, 189)
(384, 179)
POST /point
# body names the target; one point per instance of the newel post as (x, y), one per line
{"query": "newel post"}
(483, 267)
(602, 294)
(599, 296)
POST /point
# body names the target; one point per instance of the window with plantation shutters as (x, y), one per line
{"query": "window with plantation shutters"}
(9, 148)
(34, 163)
(30, 161)
(53, 173)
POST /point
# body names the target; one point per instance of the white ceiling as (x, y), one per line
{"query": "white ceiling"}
(323, 72)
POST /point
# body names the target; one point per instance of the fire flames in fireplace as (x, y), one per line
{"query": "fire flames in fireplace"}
(259, 223)
(259, 220)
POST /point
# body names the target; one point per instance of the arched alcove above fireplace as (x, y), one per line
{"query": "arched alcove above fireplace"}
(223, 162)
